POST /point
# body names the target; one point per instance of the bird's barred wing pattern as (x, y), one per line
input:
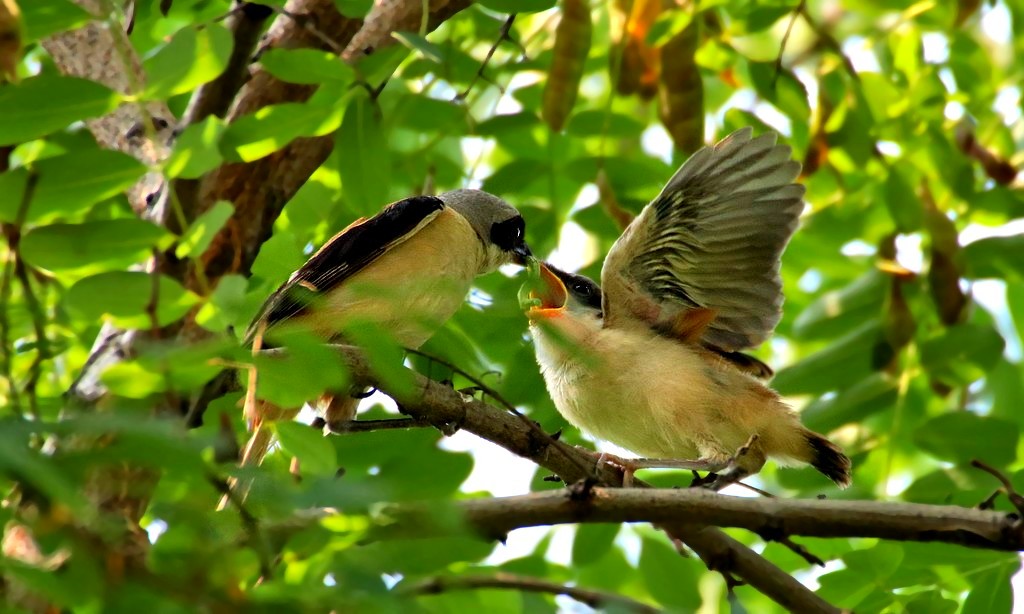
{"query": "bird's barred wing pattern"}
(713, 239)
(346, 254)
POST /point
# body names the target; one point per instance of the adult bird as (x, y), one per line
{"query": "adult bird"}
(652, 363)
(404, 271)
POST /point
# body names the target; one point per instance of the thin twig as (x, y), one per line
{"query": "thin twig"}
(829, 41)
(38, 328)
(153, 305)
(593, 598)
(306, 23)
(785, 39)
(1015, 498)
(365, 426)
(800, 551)
(14, 398)
(249, 521)
(503, 35)
(12, 232)
(500, 399)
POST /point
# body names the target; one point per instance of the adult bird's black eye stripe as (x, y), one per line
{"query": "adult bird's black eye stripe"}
(508, 233)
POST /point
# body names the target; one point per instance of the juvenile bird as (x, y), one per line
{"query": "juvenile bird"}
(652, 362)
(406, 270)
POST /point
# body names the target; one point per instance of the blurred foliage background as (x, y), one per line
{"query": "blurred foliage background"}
(901, 335)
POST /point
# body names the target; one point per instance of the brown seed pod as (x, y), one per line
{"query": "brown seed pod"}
(639, 64)
(10, 40)
(572, 44)
(681, 98)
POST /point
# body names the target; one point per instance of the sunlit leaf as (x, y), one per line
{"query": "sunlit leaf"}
(132, 299)
(70, 246)
(47, 103)
(306, 66)
(74, 182)
(200, 234)
(964, 436)
(193, 57)
(364, 162)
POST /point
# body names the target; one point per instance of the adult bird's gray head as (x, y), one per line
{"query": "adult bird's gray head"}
(498, 225)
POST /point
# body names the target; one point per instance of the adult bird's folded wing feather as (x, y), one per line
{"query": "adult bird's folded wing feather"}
(344, 255)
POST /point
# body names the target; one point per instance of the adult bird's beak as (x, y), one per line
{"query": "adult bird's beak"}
(522, 253)
(548, 295)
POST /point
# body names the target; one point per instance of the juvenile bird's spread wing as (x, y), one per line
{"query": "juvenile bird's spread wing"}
(345, 254)
(711, 241)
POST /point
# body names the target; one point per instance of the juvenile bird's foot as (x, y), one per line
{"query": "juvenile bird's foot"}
(630, 466)
(734, 471)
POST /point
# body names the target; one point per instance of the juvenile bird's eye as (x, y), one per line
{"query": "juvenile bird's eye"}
(583, 289)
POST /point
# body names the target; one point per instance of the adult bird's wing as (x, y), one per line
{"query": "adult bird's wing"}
(346, 254)
(709, 245)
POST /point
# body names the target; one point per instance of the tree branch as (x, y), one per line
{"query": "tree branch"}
(443, 406)
(592, 598)
(772, 518)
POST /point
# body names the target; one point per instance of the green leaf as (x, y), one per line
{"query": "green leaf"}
(226, 306)
(995, 257)
(48, 103)
(592, 541)
(903, 204)
(41, 19)
(132, 380)
(419, 43)
(963, 353)
(842, 363)
(201, 232)
(71, 246)
(964, 436)
(196, 150)
(18, 460)
(992, 592)
(666, 26)
(518, 6)
(837, 311)
(670, 578)
(12, 186)
(876, 393)
(74, 182)
(354, 9)
(430, 115)
(385, 356)
(780, 87)
(309, 66)
(270, 129)
(363, 159)
(594, 123)
(193, 57)
(302, 372)
(930, 602)
(126, 297)
(315, 453)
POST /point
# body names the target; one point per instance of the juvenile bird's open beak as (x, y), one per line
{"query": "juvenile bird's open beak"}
(551, 294)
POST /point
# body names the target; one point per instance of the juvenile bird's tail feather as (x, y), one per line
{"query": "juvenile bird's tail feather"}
(827, 458)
